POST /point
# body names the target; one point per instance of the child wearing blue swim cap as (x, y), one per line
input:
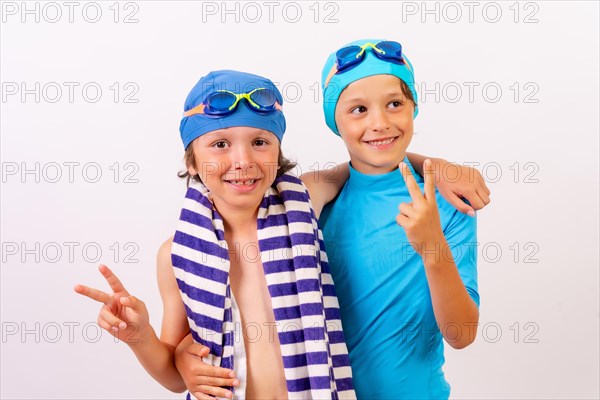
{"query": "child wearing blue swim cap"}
(247, 255)
(403, 259)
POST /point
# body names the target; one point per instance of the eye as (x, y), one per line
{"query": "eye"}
(358, 110)
(221, 144)
(260, 142)
(395, 104)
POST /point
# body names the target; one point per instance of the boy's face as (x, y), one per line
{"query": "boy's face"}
(375, 120)
(237, 165)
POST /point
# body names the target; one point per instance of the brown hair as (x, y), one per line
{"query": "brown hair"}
(284, 165)
(407, 92)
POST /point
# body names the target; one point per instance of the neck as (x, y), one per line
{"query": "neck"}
(377, 182)
(237, 220)
(370, 169)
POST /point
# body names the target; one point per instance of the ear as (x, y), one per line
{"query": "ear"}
(191, 170)
(190, 160)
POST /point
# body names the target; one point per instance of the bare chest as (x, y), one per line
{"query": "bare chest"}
(265, 373)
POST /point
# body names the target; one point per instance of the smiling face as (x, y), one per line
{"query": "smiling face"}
(237, 165)
(375, 119)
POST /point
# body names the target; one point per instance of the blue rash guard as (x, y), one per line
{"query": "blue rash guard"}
(396, 348)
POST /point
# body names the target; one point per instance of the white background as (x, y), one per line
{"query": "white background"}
(539, 330)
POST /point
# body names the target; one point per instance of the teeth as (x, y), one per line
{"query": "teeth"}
(381, 142)
(250, 182)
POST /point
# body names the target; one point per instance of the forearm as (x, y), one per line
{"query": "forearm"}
(456, 313)
(158, 360)
(417, 160)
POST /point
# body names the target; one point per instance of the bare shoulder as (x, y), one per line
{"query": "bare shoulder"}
(164, 254)
(308, 179)
(324, 185)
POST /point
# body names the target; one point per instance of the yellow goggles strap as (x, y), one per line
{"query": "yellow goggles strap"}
(240, 96)
(369, 45)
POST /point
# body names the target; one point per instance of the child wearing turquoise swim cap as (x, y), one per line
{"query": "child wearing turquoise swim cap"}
(403, 259)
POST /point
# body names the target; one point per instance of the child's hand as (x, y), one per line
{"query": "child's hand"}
(123, 316)
(420, 218)
(455, 182)
(201, 379)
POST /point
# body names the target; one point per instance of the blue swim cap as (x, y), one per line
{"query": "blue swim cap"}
(197, 125)
(371, 65)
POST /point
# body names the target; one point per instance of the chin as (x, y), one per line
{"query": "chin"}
(389, 163)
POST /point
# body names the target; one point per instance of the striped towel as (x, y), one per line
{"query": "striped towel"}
(315, 357)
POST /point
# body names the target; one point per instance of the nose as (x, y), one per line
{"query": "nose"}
(379, 120)
(241, 156)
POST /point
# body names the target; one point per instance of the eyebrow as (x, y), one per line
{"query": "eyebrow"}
(396, 93)
(386, 95)
(353, 99)
(217, 133)
(222, 134)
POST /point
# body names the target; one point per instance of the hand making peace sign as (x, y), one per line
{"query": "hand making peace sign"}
(420, 218)
(122, 315)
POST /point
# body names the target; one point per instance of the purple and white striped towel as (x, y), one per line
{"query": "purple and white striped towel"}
(306, 309)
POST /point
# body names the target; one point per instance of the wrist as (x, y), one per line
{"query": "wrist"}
(143, 336)
(435, 251)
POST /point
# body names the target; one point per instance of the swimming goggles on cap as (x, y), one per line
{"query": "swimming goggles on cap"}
(351, 56)
(224, 102)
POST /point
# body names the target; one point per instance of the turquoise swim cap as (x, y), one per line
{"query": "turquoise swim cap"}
(370, 66)
(197, 125)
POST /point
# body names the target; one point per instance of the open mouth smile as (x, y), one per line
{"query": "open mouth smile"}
(382, 143)
(242, 183)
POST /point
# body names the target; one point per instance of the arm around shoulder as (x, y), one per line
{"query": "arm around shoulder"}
(324, 185)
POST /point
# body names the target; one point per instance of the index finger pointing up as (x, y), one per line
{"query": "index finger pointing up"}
(429, 172)
(113, 281)
(411, 184)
